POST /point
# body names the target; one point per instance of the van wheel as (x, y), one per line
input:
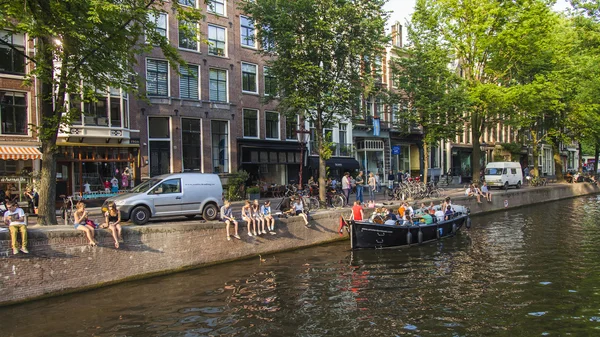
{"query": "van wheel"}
(140, 215)
(518, 185)
(210, 212)
(506, 186)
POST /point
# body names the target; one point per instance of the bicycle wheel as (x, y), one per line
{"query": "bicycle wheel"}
(63, 212)
(337, 201)
(434, 194)
(314, 203)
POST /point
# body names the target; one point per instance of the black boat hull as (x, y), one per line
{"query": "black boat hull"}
(371, 235)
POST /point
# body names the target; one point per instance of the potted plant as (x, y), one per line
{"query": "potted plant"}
(253, 192)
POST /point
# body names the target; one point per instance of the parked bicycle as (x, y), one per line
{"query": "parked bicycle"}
(335, 198)
(68, 208)
(310, 203)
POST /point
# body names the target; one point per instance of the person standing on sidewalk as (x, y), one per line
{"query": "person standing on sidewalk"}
(360, 181)
(346, 186)
(14, 218)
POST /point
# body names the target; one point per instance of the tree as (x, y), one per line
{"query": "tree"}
(81, 46)
(433, 93)
(320, 49)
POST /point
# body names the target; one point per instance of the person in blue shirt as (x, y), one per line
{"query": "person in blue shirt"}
(269, 220)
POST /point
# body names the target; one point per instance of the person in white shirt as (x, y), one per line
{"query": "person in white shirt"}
(299, 210)
(439, 214)
(14, 218)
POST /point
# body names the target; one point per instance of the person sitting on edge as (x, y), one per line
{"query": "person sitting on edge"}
(449, 213)
(357, 212)
(470, 192)
(14, 218)
(485, 190)
(299, 210)
(228, 218)
(112, 221)
(81, 223)
(269, 220)
(247, 216)
(478, 192)
(286, 206)
(258, 217)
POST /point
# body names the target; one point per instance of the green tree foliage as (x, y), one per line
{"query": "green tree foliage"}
(434, 95)
(83, 46)
(319, 49)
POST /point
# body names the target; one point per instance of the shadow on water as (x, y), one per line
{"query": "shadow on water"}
(527, 272)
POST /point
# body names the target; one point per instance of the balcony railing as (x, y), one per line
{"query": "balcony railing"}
(337, 149)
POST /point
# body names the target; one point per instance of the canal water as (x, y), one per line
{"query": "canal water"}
(528, 272)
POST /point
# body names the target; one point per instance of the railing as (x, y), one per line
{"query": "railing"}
(337, 149)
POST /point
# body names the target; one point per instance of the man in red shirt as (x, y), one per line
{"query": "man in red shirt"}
(357, 212)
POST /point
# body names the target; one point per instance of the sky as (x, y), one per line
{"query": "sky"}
(403, 9)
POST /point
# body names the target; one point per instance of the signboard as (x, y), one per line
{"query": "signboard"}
(396, 149)
(134, 141)
(376, 127)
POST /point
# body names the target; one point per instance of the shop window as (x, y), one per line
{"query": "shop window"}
(191, 141)
(13, 112)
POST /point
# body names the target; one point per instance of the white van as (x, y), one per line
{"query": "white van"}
(504, 174)
(187, 194)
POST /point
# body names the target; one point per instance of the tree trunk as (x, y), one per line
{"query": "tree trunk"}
(596, 154)
(322, 168)
(476, 158)
(580, 164)
(425, 162)
(558, 167)
(534, 151)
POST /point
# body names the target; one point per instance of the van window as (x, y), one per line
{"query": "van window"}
(513, 171)
(505, 171)
(168, 186)
(493, 172)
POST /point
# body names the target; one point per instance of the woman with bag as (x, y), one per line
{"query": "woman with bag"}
(112, 221)
(83, 224)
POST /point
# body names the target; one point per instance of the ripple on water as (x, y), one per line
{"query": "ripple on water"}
(538, 313)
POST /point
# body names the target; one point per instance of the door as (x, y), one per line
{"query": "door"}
(160, 157)
(167, 197)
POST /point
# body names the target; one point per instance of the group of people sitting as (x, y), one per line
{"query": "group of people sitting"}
(474, 191)
(406, 215)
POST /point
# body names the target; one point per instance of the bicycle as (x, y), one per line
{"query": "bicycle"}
(310, 203)
(67, 208)
(335, 199)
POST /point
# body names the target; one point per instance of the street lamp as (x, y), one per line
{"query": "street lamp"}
(303, 134)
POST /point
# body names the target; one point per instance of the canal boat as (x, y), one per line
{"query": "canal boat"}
(365, 234)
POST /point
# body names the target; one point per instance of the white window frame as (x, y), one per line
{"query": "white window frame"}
(226, 84)
(257, 123)
(209, 8)
(295, 139)
(198, 79)
(242, 39)
(224, 42)
(278, 125)
(178, 38)
(186, 5)
(152, 16)
(168, 76)
(255, 77)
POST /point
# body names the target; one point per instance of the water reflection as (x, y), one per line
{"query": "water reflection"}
(531, 271)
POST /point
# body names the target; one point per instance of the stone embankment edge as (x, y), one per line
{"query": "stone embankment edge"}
(60, 262)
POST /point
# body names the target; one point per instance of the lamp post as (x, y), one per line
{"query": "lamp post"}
(302, 132)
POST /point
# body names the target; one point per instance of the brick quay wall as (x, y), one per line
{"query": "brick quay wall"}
(61, 262)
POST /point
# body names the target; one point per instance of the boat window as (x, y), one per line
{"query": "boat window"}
(493, 172)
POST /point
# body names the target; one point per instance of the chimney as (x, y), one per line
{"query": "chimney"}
(397, 34)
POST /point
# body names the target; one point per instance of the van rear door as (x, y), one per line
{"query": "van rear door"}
(167, 197)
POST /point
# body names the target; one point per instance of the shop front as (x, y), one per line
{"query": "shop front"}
(17, 163)
(85, 169)
(461, 163)
(337, 166)
(270, 162)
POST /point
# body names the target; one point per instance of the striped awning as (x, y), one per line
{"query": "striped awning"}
(19, 153)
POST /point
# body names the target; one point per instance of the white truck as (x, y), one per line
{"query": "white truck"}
(503, 174)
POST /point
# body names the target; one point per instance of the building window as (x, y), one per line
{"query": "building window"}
(270, 83)
(220, 146)
(159, 145)
(185, 41)
(267, 42)
(343, 133)
(191, 3)
(95, 113)
(157, 74)
(13, 112)
(191, 138)
(247, 31)
(218, 85)
(272, 125)
(216, 40)
(249, 78)
(216, 6)
(250, 123)
(379, 107)
(160, 22)
(12, 61)
(291, 124)
(188, 82)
